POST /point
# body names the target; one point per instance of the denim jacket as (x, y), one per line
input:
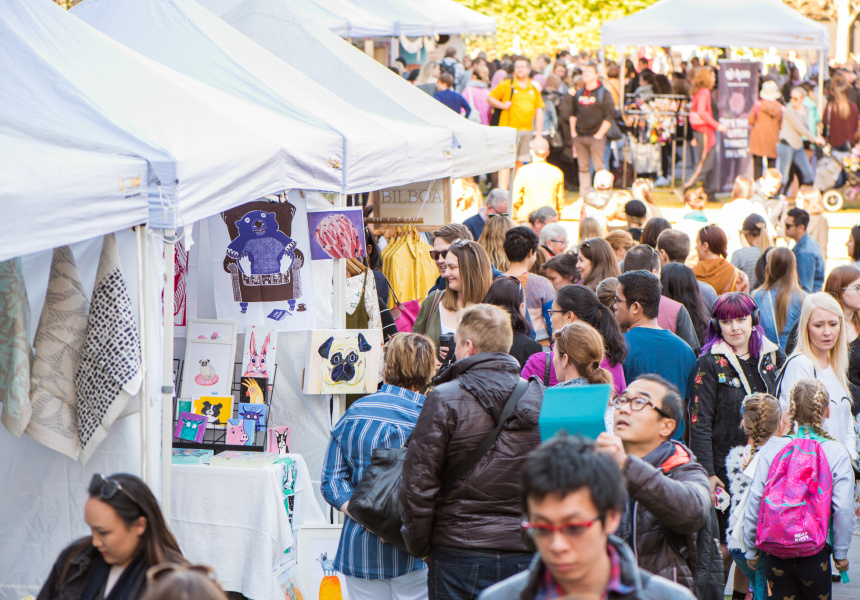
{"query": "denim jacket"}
(810, 264)
(766, 301)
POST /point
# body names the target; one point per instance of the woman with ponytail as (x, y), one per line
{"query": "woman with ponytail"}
(576, 357)
(760, 420)
(803, 576)
(578, 303)
(755, 239)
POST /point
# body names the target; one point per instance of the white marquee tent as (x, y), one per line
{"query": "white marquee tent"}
(380, 150)
(750, 23)
(338, 66)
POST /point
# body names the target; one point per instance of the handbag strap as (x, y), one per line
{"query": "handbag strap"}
(470, 461)
(546, 368)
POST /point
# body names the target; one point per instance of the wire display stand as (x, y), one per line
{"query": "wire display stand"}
(215, 437)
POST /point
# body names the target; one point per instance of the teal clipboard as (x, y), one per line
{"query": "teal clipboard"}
(577, 410)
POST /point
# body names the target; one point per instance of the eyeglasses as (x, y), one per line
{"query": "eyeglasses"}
(108, 488)
(856, 288)
(627, 302)
(544, 531)
(154, 574)
(559, 311)
(497, 214)
(559, 242)
(437, 254)
(637, 404)
(789, 225)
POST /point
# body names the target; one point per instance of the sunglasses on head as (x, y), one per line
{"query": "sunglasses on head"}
(158, 572)
(106, 488)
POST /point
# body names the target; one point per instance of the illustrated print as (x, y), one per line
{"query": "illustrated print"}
(254, 389)
(326, 564)
(337, 234)
(255, 413)
(343, 363)
(216, 409)
(180, 284)
(262, 258)
(255, 360)
(236, 432)
(279, 440)
(207, 375)
(190, 427)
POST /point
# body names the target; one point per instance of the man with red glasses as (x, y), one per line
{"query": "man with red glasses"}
(670, 497)
(573, 499)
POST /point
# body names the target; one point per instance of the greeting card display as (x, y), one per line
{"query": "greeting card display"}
(260, 347)
(236, 433)
(208, 368)
(256, 413)
(216, 409)
(254, 390)
(190, 427)
(279, 440)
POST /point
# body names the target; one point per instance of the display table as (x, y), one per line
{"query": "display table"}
(234, 520)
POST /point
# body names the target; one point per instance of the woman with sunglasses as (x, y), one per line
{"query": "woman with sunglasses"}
(596, 262)
(129, 536)
(737, 360)
(578, 303)
(468, 276)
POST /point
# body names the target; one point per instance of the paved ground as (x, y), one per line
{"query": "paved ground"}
(851, 590)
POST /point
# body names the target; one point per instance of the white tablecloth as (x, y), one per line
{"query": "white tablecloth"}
(234, 520)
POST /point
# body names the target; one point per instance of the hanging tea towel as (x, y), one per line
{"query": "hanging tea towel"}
(110, 372)
(58, 343)
(15, 351)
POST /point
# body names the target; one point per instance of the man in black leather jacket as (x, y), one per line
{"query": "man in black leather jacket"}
(572, 498)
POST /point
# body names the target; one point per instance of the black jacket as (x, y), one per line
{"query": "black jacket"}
(718, 392)
(482, 510)
(525, 585)
(591, 109)
(78, 574)
(523, 347)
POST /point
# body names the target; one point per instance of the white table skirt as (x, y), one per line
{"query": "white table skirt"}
(234, 520)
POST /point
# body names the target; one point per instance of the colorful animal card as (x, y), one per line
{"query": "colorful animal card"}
(337, 233)
(183, 405)
(279, 440)
(343, 361)
(256, 413)
(255, 390)
(260, 348)
(216, 409)
(236, 435)
(250, 430)
(190, 427)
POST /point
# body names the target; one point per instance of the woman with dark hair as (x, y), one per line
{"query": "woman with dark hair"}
(561, 270)
(129, 536)
(507, 293)
(596, 262)
(780, 296)
(578, 303)
(737, 360)
(713, 268)
(679, 283)
(853, 245)
(653, 229)
(761, 264)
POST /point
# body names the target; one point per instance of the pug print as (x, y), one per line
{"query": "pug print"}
(344, 364)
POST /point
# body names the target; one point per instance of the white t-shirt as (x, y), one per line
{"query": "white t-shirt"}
(840, 424)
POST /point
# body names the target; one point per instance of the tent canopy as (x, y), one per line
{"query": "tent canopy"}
(207, 151)
(338, 66)
(765, 24)
(379, 151)
(453, 18)
(363, 22)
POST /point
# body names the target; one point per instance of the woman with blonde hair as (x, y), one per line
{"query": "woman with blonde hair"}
(755, 239)
(780, 297)
(468, 277)
(621, 241)
(589, 227)
(822, 354)
(596, 262)
(493, 239)
(577, 354)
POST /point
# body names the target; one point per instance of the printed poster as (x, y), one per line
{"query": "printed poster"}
(738, 93)
(260, 254)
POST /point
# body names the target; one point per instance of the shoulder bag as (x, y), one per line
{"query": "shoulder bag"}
(374, 503)
(614, 132)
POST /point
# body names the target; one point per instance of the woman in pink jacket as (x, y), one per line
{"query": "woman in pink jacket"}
(704, 128)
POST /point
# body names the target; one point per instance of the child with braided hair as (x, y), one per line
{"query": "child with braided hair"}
(789, 575)
(760, 420)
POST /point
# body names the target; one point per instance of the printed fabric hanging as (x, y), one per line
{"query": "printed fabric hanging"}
(15, 352)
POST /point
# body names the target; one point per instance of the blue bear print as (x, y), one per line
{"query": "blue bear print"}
(262, 242)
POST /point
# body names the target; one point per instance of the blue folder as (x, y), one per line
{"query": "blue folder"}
(577, 410)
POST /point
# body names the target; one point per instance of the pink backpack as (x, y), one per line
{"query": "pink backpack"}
(794, 516)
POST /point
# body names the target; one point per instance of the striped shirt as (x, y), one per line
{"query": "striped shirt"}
(382, 420)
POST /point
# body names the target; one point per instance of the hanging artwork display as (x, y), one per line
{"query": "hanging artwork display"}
(15, 352)
(337, 233)
(343, 361)
(260, 345)
(261, 269)
(184, 282)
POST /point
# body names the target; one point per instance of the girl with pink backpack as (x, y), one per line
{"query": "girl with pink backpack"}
(800, 505)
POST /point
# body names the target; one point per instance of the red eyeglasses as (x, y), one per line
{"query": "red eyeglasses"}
(545, 531)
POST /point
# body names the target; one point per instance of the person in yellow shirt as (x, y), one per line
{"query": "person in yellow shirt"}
(537, 184)
(522, 108)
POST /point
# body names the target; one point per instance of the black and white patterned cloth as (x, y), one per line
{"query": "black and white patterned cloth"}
(110, 372)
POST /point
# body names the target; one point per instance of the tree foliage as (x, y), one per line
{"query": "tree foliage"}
(531, 27)
(822, 10)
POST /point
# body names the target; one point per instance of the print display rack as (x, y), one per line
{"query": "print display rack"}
(215, 437)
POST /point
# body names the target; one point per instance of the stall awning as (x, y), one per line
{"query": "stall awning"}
(750, 23)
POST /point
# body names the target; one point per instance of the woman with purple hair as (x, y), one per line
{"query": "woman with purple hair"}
(736, 360)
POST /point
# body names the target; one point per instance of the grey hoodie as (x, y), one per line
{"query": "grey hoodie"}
(842, 496)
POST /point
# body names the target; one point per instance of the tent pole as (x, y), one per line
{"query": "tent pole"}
(167, 390)
(142, 298)
(623, 65)
(338, 406)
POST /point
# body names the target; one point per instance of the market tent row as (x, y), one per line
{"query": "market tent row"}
(296, 38)
(379, 151)
(765, 24)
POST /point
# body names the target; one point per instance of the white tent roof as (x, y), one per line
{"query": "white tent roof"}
(362, 22)
(209, 151)
(380, 151)
(408, 20)
(52, 176)
(764, 24)
(340, 67)
(452, 18)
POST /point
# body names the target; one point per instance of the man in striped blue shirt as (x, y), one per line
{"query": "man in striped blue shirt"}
(374, 569)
